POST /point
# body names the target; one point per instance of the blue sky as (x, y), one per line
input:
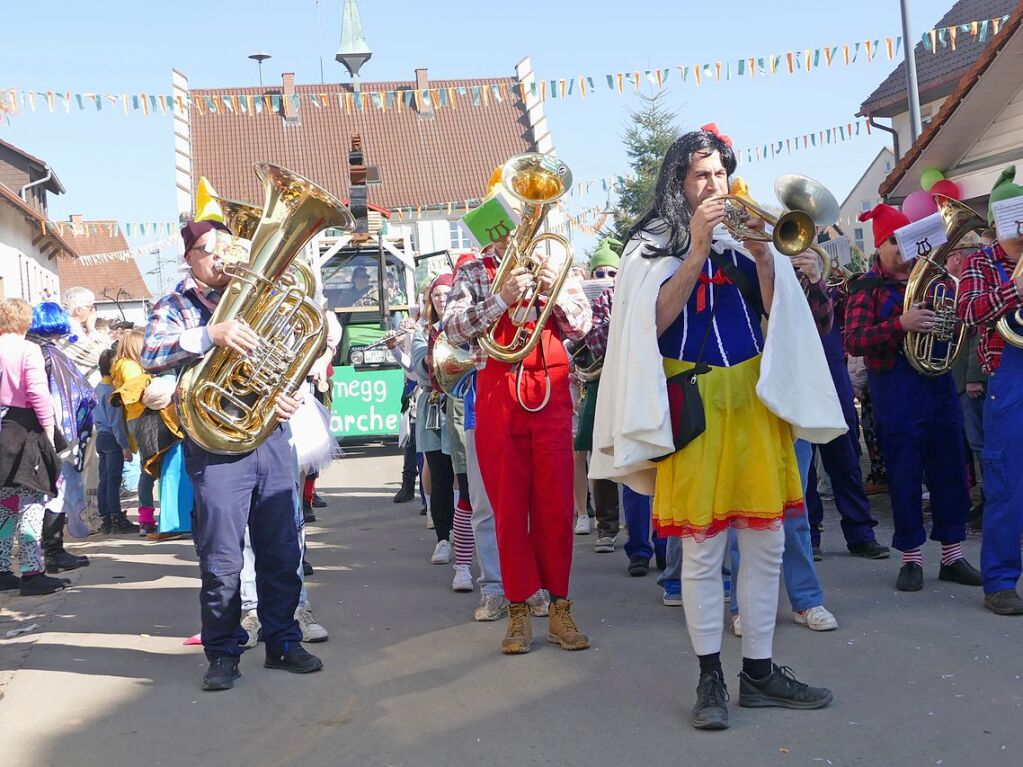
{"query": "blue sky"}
(121, 167)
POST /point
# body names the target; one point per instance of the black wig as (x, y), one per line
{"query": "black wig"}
(669, 207)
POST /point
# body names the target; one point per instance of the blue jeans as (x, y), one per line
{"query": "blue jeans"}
(801, 582)
(483, 527)
(671, 578)
(111, 464)
(637, 522)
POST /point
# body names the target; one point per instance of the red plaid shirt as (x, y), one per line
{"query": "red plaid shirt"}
(987, 293)
(596, 339)
(873, 329)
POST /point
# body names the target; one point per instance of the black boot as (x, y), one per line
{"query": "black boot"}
(39, 585)
(407, 491)
(55, 556)
(308, 515)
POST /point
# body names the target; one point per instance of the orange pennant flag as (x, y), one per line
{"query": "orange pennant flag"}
(696, 73)
(845, 53)
(889, 46)
(789, 62)
(953, 32)
(827, 56)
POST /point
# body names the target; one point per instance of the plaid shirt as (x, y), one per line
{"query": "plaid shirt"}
(986, 294)
(596, 339)
(820, 303)
(873, 329)
(170, 316)
(471, 309)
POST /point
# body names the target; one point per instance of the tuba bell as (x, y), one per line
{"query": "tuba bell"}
(226, 401)
(930, 283)
(451, 364)
(538, 181)
(1008, 325)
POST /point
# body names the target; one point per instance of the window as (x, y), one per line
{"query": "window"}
(459, 237)
(865, 205)
(858, 236)
(887, 166)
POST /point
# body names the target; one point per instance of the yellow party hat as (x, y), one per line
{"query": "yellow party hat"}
(206, 206)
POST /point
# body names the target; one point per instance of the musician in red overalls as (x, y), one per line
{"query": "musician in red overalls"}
(524, 437)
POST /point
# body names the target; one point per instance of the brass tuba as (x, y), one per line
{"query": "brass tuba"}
(538, 181)
(934, 353)
(808, 204)
(226, 400)
(450, 363)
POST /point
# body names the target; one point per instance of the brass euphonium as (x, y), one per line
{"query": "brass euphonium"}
(226, 401)
(538, 181)
(808, 204)
(450, 363)
(930, 283)
(1008, 325)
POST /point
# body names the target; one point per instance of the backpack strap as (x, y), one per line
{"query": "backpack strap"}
(738, 277)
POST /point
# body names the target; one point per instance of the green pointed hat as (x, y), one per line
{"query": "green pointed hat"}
(606, 254)
(1004, 189)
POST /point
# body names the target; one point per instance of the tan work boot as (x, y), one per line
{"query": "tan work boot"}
(561, 628)
(519, 635)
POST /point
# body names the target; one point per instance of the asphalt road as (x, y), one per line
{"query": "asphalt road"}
(410, 680)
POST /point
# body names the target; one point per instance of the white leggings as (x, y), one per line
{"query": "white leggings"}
(703, 592)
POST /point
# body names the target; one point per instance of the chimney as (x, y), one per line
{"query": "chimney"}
(287, 92)
(424, 100)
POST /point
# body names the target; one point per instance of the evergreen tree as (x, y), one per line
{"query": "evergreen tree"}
(650, 133)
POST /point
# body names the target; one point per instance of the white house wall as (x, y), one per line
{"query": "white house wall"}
(863, 197)
(1004, 135)
(900, 122)
(26, 273)
(134, 311)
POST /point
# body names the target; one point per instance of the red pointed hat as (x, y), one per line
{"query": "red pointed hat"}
(886, 220)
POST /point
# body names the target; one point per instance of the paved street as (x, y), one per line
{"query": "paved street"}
(412, 681)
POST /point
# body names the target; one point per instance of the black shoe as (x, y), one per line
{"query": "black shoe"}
(962, 572)
(406, 493)
(710, 711)
(307, 569)
(104, 526)
(817, 556)
(422, 511)
(221, 674)
(64, 561)
(40, 585)
(639, 566)
(307, 512)
(54, 555)
(297, 660)
(870, 550)
(911, 577)
(120, 525)
(781, 689)
(1004, 602)
(318, 503)
(9, 581)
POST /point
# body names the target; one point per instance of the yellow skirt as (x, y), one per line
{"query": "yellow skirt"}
(741, 472)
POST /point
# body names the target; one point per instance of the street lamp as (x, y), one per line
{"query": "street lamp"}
(259, 57)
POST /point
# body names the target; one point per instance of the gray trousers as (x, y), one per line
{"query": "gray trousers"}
(483, 527)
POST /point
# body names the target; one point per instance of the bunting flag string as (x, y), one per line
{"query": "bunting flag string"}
(132, 254)
(166, 229)
(14, 100)
(801, 143)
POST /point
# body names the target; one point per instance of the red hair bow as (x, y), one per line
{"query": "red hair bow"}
(713, 128)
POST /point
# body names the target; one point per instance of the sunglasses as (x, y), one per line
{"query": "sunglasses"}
(603, 273)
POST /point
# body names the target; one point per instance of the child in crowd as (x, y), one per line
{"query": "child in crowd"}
(112, 447)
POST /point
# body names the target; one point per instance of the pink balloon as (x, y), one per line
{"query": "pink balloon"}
(919, 204)
(947, 188)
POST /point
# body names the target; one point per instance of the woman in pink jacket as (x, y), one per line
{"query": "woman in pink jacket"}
(29, 466)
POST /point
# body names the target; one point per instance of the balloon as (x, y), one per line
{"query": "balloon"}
(947, 188)
(919, 204)
(929, 178)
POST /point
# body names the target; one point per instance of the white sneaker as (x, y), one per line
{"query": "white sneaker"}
(441, 553)
(582, 525)
(816, 619)
(250, 622)
(539, 603)
(490, 608)
(429, 520)
(312, 631)
(605, 544)
(737, 625)
(463, 579)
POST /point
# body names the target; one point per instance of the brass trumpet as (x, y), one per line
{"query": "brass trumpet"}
(1008, 325)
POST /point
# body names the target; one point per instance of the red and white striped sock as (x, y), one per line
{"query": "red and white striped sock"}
(951, 552)
(461, 527)
(913, 556)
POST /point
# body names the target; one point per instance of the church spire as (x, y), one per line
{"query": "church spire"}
(354, 52)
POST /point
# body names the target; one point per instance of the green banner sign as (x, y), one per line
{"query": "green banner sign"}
(366, 403)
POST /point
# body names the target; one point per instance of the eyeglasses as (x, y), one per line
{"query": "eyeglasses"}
(603, 273)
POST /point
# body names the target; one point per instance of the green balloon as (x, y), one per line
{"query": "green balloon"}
(930, 177)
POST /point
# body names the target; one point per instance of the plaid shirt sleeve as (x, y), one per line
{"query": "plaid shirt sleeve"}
(820, 303)
(596, 339)
(161, 348)
(572, 310)
(471, 309)
(983, 298)
(868, 336)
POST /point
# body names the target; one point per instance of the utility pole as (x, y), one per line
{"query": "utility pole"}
(912, 91)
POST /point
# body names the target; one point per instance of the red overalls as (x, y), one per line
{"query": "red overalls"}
(526, 462)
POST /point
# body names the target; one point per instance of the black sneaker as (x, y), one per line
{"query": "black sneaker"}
(307, 513)
(639, 566)
(9, 581)
(41, 585)
(911, 577)
(1004, 602)
(781, 689)
(710, 711)
(870, 550)
(307, 569)
(318, 503)
(104, 526)
(405, 494)
(221, 674)
(120, 525)
(817, 556)
(962, 572)
(297, 660)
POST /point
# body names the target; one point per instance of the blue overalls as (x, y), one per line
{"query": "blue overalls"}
(1003, 477)
(920, 425)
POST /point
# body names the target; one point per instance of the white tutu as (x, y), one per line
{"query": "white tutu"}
(315, 447)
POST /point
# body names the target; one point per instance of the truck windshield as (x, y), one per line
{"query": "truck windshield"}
(353, 283)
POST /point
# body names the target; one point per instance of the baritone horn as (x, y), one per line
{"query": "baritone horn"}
(226, 401)
(930, 283)
(537, 181)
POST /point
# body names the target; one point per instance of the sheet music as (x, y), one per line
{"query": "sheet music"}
(921, 237)
(1008, 218)
(593, 288)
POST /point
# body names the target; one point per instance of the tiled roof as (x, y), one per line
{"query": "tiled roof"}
(937, 72)
(423, 160)
(952, 103)
(105, 279)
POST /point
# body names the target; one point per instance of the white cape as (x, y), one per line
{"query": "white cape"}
(631, 426)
